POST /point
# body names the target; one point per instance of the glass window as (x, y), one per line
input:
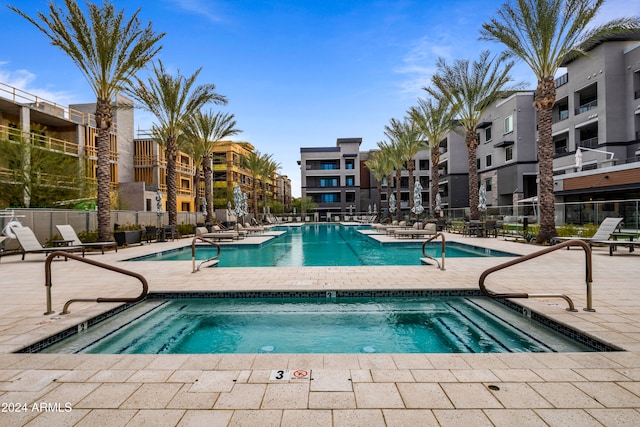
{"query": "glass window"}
(508, 153)
(350, 181)
(508, 124)
(487, 134)
(487, 184)
(478, 163)
(350, 197)
(424, 165)
(488, 160)
(348, 164)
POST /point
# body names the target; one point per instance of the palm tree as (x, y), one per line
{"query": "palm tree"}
(378, 165)
(407, 137)
(387, 167)
(471, 88)
(173, 100)
(254, 163)
(396, 161)
(204, 130)
(109, 50)
(543, 34)
(435, 118)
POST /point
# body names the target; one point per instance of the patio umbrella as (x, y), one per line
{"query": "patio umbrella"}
(417, 199)
(237, 201)
(578, 159)
(482, 198)
(204, 205)
(392, 203)
(229, 212)
(159, 203)
(438, 206)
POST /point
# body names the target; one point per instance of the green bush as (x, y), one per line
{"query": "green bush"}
(184, 229)
(88, 236)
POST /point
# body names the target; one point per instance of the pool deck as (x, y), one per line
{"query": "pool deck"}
(542, 389)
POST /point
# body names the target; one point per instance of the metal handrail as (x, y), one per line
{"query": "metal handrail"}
(588, 275)
(443, 250)
(193, 252)
(65, 310)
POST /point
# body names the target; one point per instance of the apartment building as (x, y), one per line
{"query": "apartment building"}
(283, 192)
(67, 135)
(331, 177)
(597, 111)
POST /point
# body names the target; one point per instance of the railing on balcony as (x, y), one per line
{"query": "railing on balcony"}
(589, 143)
(560, 150)
(25, 98)
(587, 107)
(562, 115)
(562, 80)
(46, 142)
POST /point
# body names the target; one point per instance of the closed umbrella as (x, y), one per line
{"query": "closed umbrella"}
(417, 199)
(482, 198)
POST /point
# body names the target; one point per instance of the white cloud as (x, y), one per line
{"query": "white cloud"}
(25, 81)
(199, 7)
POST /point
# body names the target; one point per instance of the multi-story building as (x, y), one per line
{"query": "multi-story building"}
(283, 191)
(507, 152)
(331, 177)
(597, 111)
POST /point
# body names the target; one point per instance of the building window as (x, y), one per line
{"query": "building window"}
(508, 153)
(487, 134)
(328, 182)
(350, 181)
(487, 184)
(560, 146)
(488, 160)
(424, 165)
(478, 163)
(329, 198)
(350, 197)
(348, 164)
(508, 124)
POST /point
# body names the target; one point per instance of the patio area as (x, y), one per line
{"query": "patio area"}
(586, 389)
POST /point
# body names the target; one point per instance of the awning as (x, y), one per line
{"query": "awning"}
(483, 125)
(533, 199)
(503, 144)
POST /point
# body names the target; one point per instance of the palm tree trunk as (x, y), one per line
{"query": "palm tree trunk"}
(398, 195)
(411, 164)
(435, 178)
(472, 145)
(104, 115)
(389, 215)
(544, 100)
(208, 187)
(196, 187)
(379, 210)
(171, 152)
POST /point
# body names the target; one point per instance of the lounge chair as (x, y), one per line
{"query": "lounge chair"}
(416, 232)
(68, 233)
(251, 229)
(29, 243)
(216, 234)
(613, 244)
(607, 227)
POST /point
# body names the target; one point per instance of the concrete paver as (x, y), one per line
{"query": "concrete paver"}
(345, 390)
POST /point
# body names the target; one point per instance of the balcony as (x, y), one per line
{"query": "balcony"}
(589, 143)
(587, 107)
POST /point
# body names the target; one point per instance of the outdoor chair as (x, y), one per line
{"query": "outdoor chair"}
(607, 227)
(149, 233)
(490, 228)
(29, 243)
(68, 233)
(613, 244)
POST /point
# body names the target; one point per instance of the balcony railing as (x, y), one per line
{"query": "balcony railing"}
(560, 150)
(46, 142)
(589, 143)
(587, 107)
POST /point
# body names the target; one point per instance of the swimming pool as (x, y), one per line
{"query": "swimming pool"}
(466, 323)
(322, 245)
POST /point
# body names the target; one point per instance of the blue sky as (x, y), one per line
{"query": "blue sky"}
(297, 73)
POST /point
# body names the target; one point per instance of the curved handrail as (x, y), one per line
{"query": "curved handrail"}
(65, 310)
(588, 275)
(193, 252)
(443, 250)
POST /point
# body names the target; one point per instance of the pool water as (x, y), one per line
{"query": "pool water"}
(323, 325)
(323, 245)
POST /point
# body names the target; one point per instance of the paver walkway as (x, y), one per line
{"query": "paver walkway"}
(585, 389)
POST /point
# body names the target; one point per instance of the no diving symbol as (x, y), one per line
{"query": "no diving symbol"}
(300, 374)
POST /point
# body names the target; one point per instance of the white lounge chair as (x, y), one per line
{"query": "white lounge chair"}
(68, 233)
(607, 227)
(613, 244)
(29, 243)
(416, 232)
(216, 234)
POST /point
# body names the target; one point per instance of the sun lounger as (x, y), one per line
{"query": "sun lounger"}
(607, 227)
(216, 235)
(416, 231)
(29, 243)
(68, 233)
(613, 244)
